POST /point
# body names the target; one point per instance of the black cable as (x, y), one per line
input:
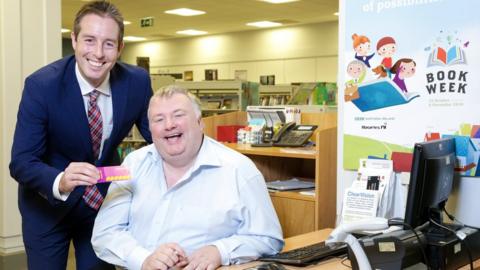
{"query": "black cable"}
(453, 218)
(344, 264)
(395, 221)
(467, 247)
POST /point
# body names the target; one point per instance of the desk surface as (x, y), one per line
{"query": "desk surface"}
(301, 241)
(312, 238)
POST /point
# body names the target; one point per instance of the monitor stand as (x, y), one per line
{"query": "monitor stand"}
(436, 233)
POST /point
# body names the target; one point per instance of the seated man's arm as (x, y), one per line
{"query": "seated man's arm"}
(259, 233)
(111, 238)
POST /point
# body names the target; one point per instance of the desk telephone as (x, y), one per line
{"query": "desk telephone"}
(289, 134)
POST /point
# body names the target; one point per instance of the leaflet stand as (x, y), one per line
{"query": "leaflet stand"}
(371, 193)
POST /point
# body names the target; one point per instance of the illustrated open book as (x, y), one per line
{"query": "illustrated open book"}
(381, 93)
(440, 56)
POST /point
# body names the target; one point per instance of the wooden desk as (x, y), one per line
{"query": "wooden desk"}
(301, 241)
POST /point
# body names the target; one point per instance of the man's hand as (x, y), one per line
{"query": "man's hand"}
(205, 258)
(165, 257)
(78, 174)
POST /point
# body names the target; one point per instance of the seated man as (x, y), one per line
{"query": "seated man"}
(192, 202)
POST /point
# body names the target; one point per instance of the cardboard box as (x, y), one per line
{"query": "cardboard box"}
(228, 133)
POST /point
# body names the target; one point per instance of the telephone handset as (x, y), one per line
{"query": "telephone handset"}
(293, 135)
(276, 137)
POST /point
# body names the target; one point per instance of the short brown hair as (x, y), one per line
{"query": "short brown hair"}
(102, 9)
(170, 90)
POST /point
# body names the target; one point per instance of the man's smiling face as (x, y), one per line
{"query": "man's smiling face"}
(177, 129)
(96, 47)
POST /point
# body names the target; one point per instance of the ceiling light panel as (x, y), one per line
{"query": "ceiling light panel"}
(191, 32)
(185, 12)
(279, 1)
(133, 38)
(264, 24)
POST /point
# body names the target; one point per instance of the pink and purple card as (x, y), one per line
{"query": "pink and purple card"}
(113, 173)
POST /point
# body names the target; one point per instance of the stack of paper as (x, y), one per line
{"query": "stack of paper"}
(291, 184)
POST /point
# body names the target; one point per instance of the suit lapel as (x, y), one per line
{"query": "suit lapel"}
(119, 90)
(76, 108)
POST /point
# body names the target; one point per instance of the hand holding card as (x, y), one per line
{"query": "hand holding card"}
(113, 173)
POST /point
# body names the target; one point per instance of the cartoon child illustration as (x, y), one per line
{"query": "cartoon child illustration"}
(361, 45)
(357, 70)
(403, 68)
(386, 47)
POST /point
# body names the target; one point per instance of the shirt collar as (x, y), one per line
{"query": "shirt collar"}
(86, 88)
(206, 155)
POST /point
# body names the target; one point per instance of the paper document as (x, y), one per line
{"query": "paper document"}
(290, 184)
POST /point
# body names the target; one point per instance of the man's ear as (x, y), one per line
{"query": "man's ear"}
(201, 123)
(120, 48)
(74, 40)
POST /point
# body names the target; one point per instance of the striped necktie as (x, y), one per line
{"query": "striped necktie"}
(92, 195)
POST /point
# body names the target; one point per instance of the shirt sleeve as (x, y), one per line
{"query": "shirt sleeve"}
(56, 191)
(111, 239)
(260, 232)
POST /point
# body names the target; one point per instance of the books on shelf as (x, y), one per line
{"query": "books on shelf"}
(292, 184)
(381, 93)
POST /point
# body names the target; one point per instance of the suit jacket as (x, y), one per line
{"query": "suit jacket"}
(52, 131)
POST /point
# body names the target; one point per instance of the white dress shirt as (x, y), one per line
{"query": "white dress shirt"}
(104, 103)
(222, 200)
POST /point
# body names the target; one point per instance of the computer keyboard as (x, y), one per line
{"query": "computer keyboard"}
(308, 254)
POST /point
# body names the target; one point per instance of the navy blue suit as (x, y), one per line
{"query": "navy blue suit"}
(51, 132)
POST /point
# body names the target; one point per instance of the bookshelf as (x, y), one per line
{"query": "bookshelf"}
(133, 141)
(274, 95)
(219, 97)
(298, 213)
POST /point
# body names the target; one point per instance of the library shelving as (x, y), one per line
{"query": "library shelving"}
(298, 212)
(219, 97)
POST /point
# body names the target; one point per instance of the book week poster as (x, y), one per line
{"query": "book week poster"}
(410, 72)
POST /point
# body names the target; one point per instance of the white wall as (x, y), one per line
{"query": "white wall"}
(29, 39)
(304, 53)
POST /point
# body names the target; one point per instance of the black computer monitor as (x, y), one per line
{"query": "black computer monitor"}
(431, 181)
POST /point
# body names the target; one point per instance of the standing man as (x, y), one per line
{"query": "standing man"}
(192, 202)
(72, 116)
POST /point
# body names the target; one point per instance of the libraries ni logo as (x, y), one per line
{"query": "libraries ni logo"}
(447, 51)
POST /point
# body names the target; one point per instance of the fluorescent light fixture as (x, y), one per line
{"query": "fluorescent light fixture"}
(279, 1)
(185, 12)
(264, 24)
(127, 22)
(65, 30)
(133, 38)
(191, 32)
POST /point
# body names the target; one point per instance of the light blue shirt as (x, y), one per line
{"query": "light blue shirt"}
(222, 200)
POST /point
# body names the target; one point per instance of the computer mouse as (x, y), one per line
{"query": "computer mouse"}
(269, 266)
